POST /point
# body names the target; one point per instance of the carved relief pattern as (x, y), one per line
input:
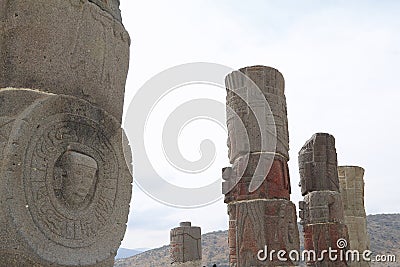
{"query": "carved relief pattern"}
(269, 222)
(73, 228)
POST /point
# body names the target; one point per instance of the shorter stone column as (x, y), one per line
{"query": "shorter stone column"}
(185, 245)
(352, 190)
(321, 212)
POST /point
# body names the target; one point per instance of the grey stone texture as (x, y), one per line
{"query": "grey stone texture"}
(185, 245)
(71, 47)
(257, 185)
(65, 186)
(318, 164)
(351, 180)
(110, 6)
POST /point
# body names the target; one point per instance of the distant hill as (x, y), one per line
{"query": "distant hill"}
(126, 253)
(383, 229)
(384, 232)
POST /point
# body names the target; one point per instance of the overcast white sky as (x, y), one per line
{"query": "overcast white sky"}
(340, 60)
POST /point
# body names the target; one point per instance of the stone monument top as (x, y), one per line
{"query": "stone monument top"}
(185, 224)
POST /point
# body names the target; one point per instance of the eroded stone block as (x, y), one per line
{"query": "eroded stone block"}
(318, 164)
(185, 244)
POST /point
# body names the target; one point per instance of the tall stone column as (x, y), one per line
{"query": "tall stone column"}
(352, 190)
(321, 212)
(185, 245)
(257, 186)
(65, 184)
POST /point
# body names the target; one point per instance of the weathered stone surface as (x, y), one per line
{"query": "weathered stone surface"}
(185, 245)
(318, 164)
(259, 223)
(352, 190)
(274, 183)
(322, 236)
(321, 207)
(65, 47)
(246, 106)
(110, 6)
(10, 108)
(359, 239)
(65, 187)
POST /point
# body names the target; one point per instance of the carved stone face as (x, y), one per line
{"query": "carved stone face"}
(79, 173)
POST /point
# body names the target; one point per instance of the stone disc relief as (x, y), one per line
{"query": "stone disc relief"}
(67, 180)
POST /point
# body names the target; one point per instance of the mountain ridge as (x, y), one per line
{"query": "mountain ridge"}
(383, 230)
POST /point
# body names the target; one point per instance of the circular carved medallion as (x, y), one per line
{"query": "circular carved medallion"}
(68, 183)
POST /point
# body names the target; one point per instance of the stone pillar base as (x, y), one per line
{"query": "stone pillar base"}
(323, 237)
(256, 225)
